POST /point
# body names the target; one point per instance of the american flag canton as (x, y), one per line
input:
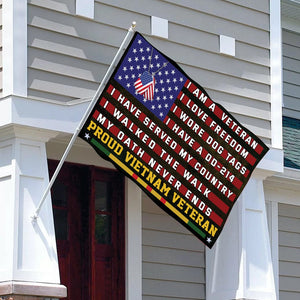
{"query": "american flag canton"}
(145, 68)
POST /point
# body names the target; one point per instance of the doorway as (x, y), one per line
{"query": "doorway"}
(88, 208)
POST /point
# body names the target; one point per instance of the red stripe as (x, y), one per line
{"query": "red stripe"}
(164, 201)
(187, 101)
(219, 113)
(149, 188)
(96, 114)
(146, 158)
(157, 148)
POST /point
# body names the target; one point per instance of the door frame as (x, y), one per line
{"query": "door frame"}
(119, 281)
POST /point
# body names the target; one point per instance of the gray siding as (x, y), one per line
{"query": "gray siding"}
(64, 60)
(68, 55)
(173, 259)
(289, 251)
(291, 73)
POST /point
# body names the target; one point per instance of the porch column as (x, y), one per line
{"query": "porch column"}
(28, 256)
(239, 266)
(133, 241)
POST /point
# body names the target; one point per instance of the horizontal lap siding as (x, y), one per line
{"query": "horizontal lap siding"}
(289, 251)
(173, 259)
(69, 55)
(66, 54)
(229, 81)
(291, 73)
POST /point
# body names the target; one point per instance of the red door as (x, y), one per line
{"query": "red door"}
(88, 207)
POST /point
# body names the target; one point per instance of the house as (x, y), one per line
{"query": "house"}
(282, 190)
(97, 235)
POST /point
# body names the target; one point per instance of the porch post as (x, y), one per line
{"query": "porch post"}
(239, 266)
(133, 241)
(28, 256)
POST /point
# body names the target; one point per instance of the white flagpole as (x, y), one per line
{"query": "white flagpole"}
(84, 118)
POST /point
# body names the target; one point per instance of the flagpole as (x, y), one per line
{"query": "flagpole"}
(84, 118)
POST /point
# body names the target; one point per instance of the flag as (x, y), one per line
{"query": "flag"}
(145, 85)
(162, 130)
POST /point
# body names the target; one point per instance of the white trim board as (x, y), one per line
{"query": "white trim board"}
(14, 43)
(276, 73)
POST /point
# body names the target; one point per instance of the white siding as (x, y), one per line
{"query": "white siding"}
(173, 259)
(289, 251)
(291, 73)
(68, 55)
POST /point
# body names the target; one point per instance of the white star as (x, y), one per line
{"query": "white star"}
(173, 72)
(208, 240)
(156, 56)
(141, 50)
(120, 77)
(87, 136)
(148, 49)
(129, 59)
(153, 107)
(134, 50)
(128, 85)
(139, 42)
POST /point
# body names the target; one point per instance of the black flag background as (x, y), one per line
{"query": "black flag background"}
(160, 128)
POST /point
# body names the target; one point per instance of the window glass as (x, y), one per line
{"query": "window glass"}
(103, 229)
(102, 213)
